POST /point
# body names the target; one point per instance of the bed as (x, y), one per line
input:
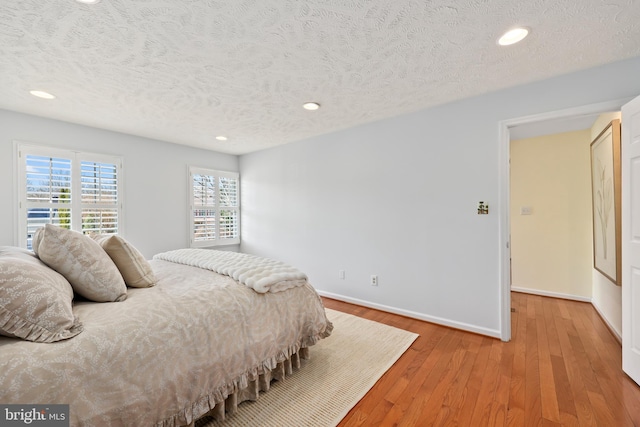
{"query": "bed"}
(193, 343)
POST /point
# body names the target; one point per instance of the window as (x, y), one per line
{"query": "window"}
(78, 191)
(215, 207)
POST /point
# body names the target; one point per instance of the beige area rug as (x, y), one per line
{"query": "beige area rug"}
(342, 368)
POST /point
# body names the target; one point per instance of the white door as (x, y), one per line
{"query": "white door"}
(631, 239)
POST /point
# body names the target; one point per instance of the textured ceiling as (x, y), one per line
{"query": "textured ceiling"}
(185, 71)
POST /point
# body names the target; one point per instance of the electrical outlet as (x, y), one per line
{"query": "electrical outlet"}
(341, 274)
(374, 280)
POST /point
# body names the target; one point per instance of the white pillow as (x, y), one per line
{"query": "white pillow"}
(81, 261)
(35, 301)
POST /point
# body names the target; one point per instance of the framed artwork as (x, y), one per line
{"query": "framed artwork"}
(606, 202)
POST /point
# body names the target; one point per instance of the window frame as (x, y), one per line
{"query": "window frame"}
(217, 241)
(22, 150)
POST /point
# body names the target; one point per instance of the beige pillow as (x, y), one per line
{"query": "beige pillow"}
(135, 269)
(35, 301)
(81, 261)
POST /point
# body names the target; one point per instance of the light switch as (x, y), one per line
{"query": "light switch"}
(525, 210)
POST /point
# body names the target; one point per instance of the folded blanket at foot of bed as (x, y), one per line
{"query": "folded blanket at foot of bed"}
(260, 274)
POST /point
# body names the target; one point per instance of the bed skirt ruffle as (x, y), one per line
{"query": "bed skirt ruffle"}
(225, 400)
(229, 406)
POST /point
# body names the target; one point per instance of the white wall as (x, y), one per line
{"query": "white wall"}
(155, 176)
(398, 198)
(607, 297)
(551, 249)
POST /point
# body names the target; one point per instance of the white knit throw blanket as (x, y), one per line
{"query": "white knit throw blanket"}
(260, 274)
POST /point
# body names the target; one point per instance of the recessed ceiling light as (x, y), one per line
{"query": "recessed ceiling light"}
(513, 36)
(41, 94)
(221, 138)
(311, 106)
(88, 1)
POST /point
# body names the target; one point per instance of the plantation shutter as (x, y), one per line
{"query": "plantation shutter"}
(204, 209)
(99, 197)
(48, 193)
(215, 207)
(229, 214)
(77, 191)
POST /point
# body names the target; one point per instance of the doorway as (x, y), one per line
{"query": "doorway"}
(561, 120)
(550, 215)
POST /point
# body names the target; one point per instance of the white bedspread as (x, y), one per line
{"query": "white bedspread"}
(260, 274)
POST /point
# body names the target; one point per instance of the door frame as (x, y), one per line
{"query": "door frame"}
(504, 219)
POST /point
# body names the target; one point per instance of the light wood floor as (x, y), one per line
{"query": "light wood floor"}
(561, 368)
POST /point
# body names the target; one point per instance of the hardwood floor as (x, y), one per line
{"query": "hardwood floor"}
(561, 368)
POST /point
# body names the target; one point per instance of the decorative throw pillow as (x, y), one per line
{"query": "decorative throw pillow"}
(35, 301)
(133, 266)
(81, 261)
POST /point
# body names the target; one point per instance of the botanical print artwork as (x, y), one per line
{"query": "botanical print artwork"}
(605, 182)
(603, 202)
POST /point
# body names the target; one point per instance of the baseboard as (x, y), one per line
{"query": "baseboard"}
(414, 315)
(550, 294)
(609, 326)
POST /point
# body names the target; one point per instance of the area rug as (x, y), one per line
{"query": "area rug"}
(342, 368)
